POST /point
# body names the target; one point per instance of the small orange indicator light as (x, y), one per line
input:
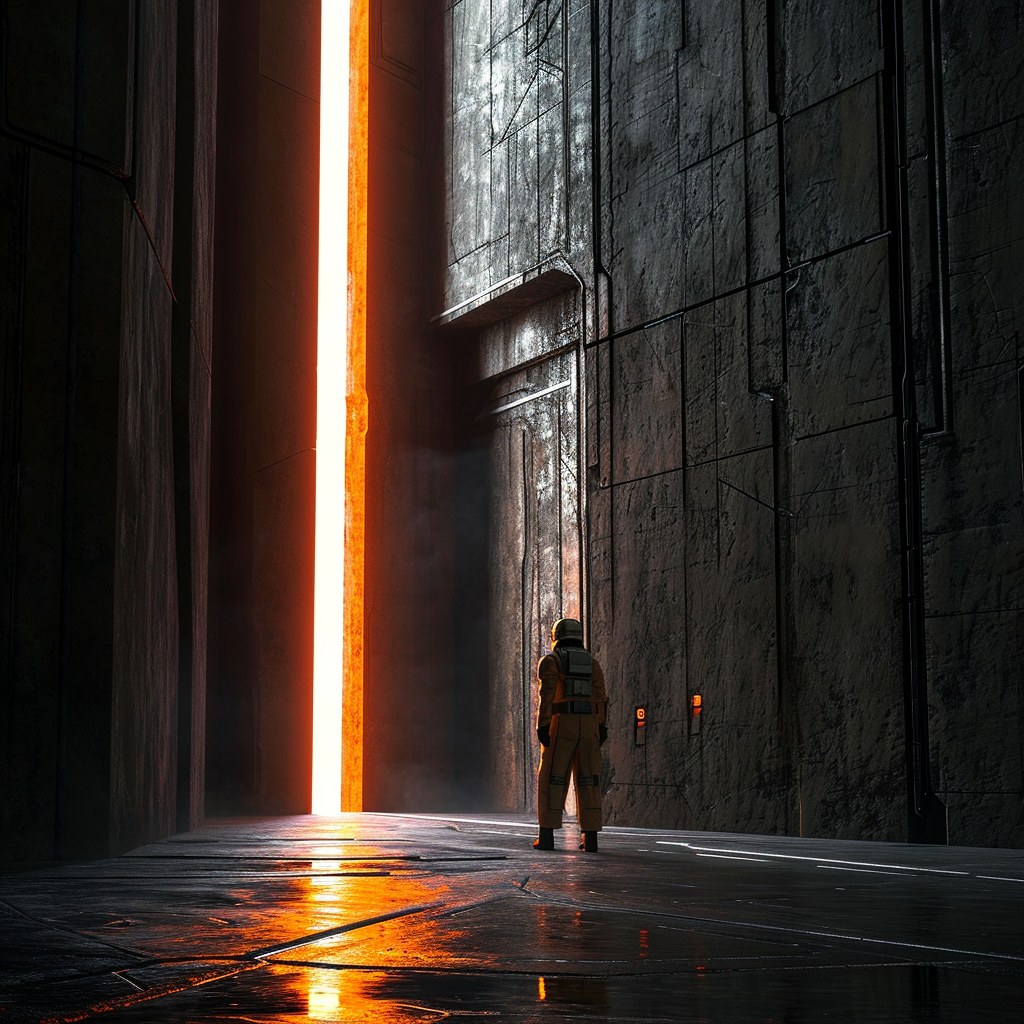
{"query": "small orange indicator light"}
(641, 716)
(696, 702)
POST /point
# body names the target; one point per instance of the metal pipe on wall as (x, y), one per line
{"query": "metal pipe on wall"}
(926, 815)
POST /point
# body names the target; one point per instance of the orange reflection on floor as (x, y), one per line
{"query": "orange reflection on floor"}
(323, 997)
(403, 930)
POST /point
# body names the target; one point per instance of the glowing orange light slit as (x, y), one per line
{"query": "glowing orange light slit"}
(341, 424)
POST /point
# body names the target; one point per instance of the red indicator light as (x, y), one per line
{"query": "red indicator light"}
(696, 702)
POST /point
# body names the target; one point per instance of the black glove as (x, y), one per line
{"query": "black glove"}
(602, 733)
(544, 735)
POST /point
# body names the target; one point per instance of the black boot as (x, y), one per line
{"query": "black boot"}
(546, 839)
(588, 841)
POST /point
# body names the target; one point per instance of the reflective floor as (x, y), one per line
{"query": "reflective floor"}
(422, 918)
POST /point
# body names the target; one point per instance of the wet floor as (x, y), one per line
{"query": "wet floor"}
(418, 918)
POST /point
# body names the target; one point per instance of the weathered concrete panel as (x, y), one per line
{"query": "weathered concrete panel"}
(551, 178)
(646, 428)
(840, 358)
(723, 417)
(644, 102)
(756, 64)
(986, 242)
(643, 650)
(42, 37)
(834, 195)
(973, 522)
(143, 707)
(826, 49)
(524, 223)
(698, 233)
(983, 52)
(847, 652)
(97, 272)
(711, 108)
(642, 287)
(762, 219)
(734, 773)
(969, 741)
(470, 219)
(729, 217)
(765, 317)
(506, 179)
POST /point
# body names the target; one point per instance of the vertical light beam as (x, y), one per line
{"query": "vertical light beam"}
(356, 406)
(331, 372)
(341, 409)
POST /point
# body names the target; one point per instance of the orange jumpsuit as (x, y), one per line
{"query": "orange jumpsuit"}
(574, 748)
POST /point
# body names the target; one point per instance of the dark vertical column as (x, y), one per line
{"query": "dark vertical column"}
(425, 693)
(232, 667)
(259, 714)
(65, 668)
(181, 390)
(926, 816)
(190, 383)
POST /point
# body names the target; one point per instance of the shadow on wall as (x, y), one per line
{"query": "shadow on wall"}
(426, 740)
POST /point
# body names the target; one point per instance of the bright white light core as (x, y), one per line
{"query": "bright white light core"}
(332, 346)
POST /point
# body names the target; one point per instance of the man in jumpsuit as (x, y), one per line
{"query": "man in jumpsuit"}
(571, 728)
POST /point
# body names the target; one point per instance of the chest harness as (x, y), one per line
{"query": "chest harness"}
(576, 671)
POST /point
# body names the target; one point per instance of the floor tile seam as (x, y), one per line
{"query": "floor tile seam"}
(733, 924)
(140, 965)
(443, 908)
(42, 922)
(134, 998)
(499, 971)
(313, 937)
(772, 856)
(680, 971)
(256, 874)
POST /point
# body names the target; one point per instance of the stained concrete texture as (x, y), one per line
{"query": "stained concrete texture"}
(106, 173)
(422, 917)
(264, 415)
(797, 390)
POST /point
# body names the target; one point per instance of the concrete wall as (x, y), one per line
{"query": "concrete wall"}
(697, 319)
(107, 231)
(798, 376)
(971, 472)
(264, 424)
(264, 409)
(416, 692)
